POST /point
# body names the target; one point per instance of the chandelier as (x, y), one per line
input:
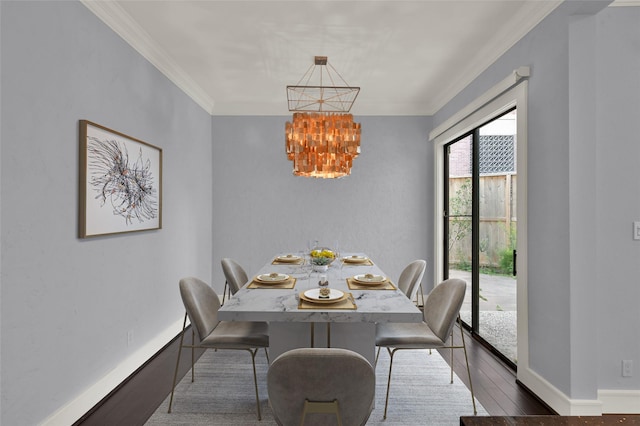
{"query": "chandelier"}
(322, 139)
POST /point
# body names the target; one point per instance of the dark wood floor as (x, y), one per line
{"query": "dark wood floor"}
(494, 383)
(137, 398)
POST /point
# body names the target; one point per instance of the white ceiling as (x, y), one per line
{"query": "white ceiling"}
(237, 57)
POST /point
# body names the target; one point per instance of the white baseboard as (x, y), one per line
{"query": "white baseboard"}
(555, 399)
(607, 402)
(620, 401)
(76, 408)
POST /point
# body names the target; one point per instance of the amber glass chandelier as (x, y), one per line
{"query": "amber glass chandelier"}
(322, 140)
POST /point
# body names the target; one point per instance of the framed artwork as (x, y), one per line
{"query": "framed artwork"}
(120, 182)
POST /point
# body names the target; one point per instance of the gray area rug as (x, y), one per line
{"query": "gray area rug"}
(223, 393)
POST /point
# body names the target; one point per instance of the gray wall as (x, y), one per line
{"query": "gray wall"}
(583, 193)
(384, 208)
(67, 304)
(618, 195)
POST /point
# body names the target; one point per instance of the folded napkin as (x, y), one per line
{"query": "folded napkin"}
(346, 303)
(354, 285)
(290, 283)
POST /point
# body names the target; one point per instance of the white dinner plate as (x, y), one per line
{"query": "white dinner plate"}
(369, 279)
(355, 259)
(288, 258)
(273, 278)
(314, 295)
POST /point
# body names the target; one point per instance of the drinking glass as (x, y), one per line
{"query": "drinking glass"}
(305, 267)
(338, 261)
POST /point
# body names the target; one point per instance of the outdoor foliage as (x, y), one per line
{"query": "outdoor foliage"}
(460, 204)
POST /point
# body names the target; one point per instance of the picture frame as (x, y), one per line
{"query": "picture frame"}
(120, 183)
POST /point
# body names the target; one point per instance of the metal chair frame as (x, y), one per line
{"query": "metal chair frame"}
(322, 407)
(253, 353)
(451, 347)
(226, 290)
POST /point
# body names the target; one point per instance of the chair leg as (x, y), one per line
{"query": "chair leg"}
(266, 353)
(193, 355)
(451, 349)
(255, 379)
(466, 359)
(386, 402)
(420, 295)
(175, 373)
(224, 292)
(377, 356)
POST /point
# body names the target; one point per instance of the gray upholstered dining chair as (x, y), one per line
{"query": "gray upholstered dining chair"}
(411, 278)
(235, 277)
(321, 386)
(441, 310)
(202, 304)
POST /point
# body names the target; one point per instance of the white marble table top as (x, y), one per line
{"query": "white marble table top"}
(281, 305)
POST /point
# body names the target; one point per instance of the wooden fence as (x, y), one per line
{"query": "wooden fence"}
(498, 197)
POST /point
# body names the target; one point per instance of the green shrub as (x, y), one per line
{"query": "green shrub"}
(506, 261)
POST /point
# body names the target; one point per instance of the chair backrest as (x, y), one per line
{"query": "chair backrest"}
(202, 304)
(321, 375)
(411, 277)
(234, 274)
(443, 305)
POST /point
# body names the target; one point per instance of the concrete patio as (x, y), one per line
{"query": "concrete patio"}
(498, 311)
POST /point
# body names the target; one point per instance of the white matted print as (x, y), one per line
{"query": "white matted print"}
(120, 182)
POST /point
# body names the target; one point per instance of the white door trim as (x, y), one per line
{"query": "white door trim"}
(500, 103)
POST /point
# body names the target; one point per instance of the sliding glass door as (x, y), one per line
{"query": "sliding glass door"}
(480, 229)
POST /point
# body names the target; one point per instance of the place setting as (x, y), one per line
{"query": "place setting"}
(273, 280)
(325, 298)
(357, 260)
(370, 282)
(288, 259)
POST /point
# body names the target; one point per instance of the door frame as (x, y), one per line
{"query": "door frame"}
(515, 96)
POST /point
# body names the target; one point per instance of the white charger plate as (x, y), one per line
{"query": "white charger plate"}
(369, 279)
(288, 258)
(355, 259)
(273, 278)
(314, 295)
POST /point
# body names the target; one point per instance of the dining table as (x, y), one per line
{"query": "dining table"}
(285, 293)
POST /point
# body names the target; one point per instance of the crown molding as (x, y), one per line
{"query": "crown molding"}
(507, 36)
(122, 24)
(116, 18)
